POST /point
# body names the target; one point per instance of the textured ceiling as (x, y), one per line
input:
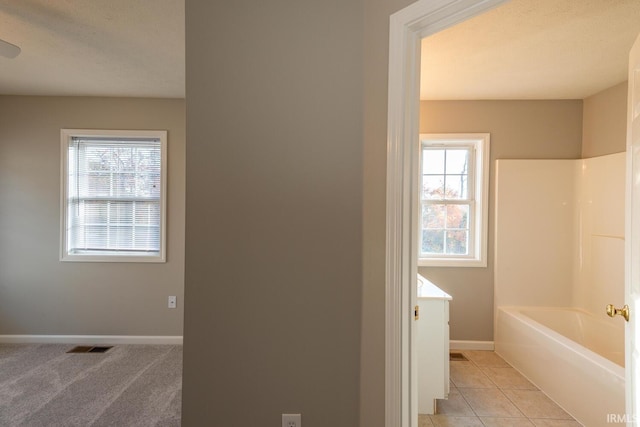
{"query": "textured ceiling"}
(532, 49)
(525, 49)
(94, 47)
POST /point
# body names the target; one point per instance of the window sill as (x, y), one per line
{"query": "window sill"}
(448, 262)
(113, 258)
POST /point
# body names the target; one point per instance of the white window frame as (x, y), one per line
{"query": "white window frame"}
(66, 137)
(478, 199)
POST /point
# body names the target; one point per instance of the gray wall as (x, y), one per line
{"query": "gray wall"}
(604, 127)
(283, 98)
(274, 212)
(519, 130)
(38, 293)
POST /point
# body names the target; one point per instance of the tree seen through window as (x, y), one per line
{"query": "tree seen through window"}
(445, 201)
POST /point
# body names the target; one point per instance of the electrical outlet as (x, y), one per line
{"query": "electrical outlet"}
(172, 303)
(291, 420)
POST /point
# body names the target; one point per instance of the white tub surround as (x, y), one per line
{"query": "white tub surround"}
(585, 383)
(433, 345)
(534, 242)
(599, 259)
(560, 243)
(559, 233)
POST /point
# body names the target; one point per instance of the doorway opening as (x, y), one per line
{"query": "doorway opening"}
(408, 27)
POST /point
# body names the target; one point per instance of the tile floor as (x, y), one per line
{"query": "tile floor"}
(487, 392)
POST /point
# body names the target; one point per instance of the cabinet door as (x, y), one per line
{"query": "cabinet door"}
(433, 353)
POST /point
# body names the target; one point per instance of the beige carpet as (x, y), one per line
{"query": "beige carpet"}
(129, 385)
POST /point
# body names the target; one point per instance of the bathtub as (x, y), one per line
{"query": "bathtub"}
(573, 357)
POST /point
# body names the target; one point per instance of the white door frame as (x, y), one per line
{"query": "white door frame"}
(407, 28)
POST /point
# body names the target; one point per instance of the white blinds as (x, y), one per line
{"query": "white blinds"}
(113, 195)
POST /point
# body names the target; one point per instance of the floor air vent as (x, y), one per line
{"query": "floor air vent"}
(457, 357)
(89, 349)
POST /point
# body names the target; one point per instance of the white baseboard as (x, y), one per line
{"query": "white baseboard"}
(89, 339)
(471, 345)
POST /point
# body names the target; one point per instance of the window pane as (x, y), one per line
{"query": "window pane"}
(108, 170)
(120, 213)
(433, 216)
(457, 187)
(457, 242)
(432, 161)
(95, 212)
(97, 184)
(433, 241)
(453, 168)
(120, 237)
(116, 225)
(114, 190)
(147, 213)
(457, 162)
(432, 187)
(458, 216)
(145, 237)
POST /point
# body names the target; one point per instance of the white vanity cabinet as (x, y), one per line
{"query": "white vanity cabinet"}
(433, 345)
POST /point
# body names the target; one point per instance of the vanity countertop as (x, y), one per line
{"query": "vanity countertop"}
(426, 289)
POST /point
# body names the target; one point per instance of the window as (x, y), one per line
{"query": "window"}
(113, 195)
(454, 178)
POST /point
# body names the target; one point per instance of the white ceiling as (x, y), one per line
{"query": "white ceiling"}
(525, 49)
(94, 47)
(532, 49)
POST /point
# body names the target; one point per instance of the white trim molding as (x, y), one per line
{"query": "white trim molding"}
(91, 339)
(407, 28)
(471, 345)
(68, 251)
